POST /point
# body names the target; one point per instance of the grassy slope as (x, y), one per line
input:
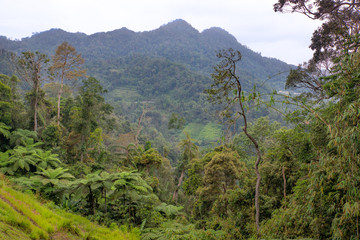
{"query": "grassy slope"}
(23, 217)
(208, 133)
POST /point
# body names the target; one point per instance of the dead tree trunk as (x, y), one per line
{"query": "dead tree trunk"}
(176, 192)
(258, 154)
(59, 99)
(284, 181)
(139, 126)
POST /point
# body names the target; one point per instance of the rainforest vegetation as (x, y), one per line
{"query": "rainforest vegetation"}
(174, 141)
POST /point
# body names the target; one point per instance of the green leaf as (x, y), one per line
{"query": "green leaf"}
(21, 163)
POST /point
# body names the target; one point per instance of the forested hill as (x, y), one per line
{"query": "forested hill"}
(166, 69)
(176, 41)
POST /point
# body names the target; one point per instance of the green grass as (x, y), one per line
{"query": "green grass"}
(210, 133)
(23, 216)
(203, 134)
(8, 232)
(127, 94)
(193, 129)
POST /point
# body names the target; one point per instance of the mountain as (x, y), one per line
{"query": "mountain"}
(167, 68)
(176, 41)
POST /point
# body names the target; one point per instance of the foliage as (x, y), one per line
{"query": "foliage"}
(176, 121)
(325, 201)
(11, 107)
(31, 67)
(21, 159)
(339, 32)
(337, 36)
(220, 176)
(22, 137)
(146, 67)
(102, 161)
(148, 158)
(67, 66)
(24, 217)
(51, 136)
(175, 230)
(85, 116)
(4, 130)
(168, 210)
(228, 91)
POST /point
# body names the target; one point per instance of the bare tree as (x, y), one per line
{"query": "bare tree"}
(67, 65)
(30, 67)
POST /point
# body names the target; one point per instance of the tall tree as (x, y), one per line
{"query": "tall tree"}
(31, 67)
(67, 65)
(190, 151)
(227, 89)
(90, 110)
(220, 175)
(11, 108)
(325, 202)
(340, 29)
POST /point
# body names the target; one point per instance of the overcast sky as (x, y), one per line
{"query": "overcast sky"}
(252, 22)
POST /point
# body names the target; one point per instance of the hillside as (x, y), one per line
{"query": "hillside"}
(24, 217)
(165, 70)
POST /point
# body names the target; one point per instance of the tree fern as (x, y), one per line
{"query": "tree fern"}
(4, 130)
(168, 210)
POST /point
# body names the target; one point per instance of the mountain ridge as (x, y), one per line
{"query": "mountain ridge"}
(177, 25)
(176, 41)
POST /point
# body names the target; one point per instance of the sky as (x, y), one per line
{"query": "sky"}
(252, 22)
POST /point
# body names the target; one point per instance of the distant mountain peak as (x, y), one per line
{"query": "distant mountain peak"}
(179, 21)
(216, 30)
(122, 30)
(179, 25)
(50, 32)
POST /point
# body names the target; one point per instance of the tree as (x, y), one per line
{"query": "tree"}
(46, 159)
(11, 108)
(89, 111)
(89, 186)
(289, 150)
(67, 64)
(110, 186)
(338, 35)
(303, 78)
(176, 121)
(227, 90)
(221, 174)
(325, 201)
(126, 181)
(190, 151)
(5, 103)
(339, 32)
(30, 67)
(51, 180)
(22, 137)
(4, 130)
(132, 196)
(20, 158)
(148, 158)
